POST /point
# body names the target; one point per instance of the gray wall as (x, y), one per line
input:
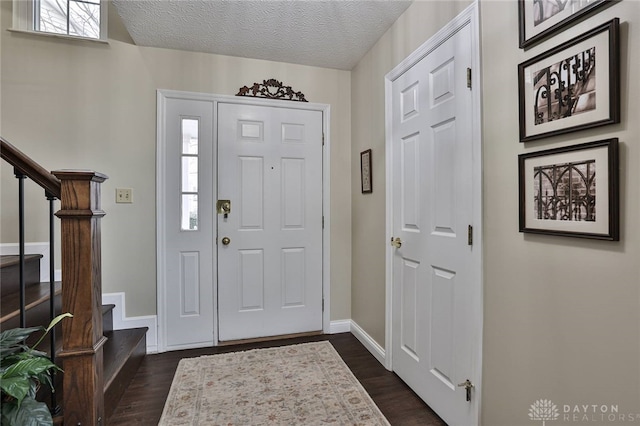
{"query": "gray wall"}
(419, 22)
(561, 315)
(75, 104)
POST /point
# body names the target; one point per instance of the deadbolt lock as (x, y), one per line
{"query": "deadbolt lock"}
(223, 207)
(226, 241)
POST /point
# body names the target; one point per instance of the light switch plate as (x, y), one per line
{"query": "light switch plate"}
(124, 195)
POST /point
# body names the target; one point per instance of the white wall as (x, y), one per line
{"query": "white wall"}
(74, 104)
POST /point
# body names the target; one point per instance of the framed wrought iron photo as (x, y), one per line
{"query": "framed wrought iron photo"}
(571, 191)
(573, 86)
(540, 19)
(366, 183)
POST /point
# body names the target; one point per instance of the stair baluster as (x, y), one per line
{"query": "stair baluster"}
(54, 407)
(21, 177)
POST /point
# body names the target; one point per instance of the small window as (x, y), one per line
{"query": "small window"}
(189, 174)
(75, 18)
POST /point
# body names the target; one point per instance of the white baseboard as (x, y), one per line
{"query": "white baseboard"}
(34, 248)
(121, 322)
(340, 326)
(376, 350)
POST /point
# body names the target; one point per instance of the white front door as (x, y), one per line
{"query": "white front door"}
(270, 241)
(186, 251)
(434, 270)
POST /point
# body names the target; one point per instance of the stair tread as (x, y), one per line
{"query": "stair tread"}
(34, 295)
(13, 259)
(10, 272)
(116, 351)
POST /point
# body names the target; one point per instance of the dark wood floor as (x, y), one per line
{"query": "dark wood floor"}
(144, 399)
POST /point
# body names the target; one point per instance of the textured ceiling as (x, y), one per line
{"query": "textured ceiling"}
(331, 34)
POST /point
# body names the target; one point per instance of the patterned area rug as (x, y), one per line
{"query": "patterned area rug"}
(305, 384)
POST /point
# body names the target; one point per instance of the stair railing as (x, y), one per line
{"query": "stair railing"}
(82, 335)
(24, 167)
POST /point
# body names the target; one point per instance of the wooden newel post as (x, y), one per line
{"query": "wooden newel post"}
(82, 336)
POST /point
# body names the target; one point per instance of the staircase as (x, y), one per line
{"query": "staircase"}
(98, 361)
(122, 352)
(36, 293)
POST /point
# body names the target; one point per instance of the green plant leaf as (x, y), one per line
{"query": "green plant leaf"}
(44, 378)
(30, 413)
(52, 324)
(9, 359)
(28, 367)
(16, 387)
(14, 336)
(7, 352)
(22, 369)
(27, 353)
(57, 319)
(21, 378)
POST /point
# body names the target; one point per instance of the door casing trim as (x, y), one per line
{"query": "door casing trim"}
(162, 95)
(470, 16)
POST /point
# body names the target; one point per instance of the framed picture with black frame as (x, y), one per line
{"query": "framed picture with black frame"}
(541, 19)
(571, 191)
(366, 183)
(573, 86)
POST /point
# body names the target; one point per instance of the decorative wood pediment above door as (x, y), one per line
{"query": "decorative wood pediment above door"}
(272, 89)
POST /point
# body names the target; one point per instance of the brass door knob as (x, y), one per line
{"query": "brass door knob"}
(226, 241)
(396, 242)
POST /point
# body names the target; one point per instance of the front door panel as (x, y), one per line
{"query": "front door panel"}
(270, 272)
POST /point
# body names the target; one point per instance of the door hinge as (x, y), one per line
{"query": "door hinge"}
(323, 139)
(322, 222)
(469, 78)
(470, 235)
(323, 305)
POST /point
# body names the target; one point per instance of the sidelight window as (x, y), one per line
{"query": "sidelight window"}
(189, 174)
